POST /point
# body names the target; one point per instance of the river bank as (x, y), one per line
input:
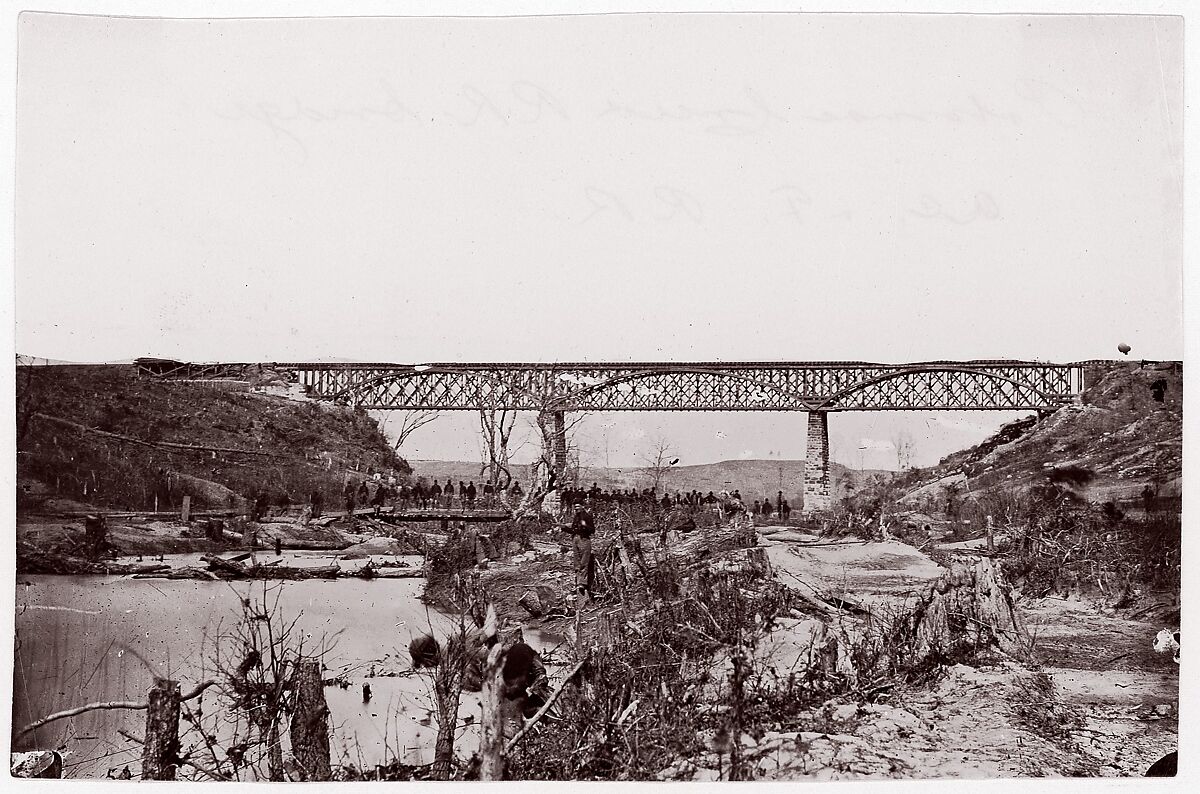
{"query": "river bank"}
(1054, 713)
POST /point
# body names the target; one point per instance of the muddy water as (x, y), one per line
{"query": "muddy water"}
(85, 639)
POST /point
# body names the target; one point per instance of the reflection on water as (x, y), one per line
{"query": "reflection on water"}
(103, 638)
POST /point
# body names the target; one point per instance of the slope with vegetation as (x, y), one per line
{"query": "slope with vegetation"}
(1086, 498)
(92, 436)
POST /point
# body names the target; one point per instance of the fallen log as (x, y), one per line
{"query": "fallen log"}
(226, 569)
(180, 573)
(149, 567)
(315, 546)
(32, 561)
(390, 573)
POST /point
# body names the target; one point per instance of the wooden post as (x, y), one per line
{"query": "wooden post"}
(310, 723)
(991, 540)
(491, 739)
(160, 751)
(95, 535)
(185, 514)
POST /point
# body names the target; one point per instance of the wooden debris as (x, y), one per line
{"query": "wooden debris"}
(310, 723)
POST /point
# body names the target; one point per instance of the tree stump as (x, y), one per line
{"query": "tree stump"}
(160, 750)
(95, 537)
(310, 723)
(993, 600)
(965, 603)
(215, 529)
(531, 603)
(491, 739)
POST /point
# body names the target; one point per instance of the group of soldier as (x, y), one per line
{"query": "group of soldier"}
(726, 502)
(403, 496)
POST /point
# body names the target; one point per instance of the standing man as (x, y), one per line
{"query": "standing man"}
(260, 505)
(349, 493)
(317, 500)
(583, 526)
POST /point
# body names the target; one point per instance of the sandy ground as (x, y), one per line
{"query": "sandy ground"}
(1104, 666)
(1111, 710)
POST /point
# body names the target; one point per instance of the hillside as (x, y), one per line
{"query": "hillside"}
(1120, 439)
(754, 478)
(99, 436)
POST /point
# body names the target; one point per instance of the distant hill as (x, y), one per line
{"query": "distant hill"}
(754, 478)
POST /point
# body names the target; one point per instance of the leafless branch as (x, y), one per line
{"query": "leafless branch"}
(508, 748)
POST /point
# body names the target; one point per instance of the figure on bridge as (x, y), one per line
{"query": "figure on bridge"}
(381, 495)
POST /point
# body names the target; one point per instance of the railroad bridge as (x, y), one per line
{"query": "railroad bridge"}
(816, 388)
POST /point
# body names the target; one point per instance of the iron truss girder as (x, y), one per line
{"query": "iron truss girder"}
(668, 386)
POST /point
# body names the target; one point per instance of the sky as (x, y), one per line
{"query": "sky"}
(647, 187)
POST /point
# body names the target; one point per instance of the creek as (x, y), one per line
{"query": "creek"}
(85, 639)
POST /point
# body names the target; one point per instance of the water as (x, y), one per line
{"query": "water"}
(84, 639)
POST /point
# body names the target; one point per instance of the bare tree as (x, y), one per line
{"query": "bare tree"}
(497, 425)
(658, 461)
(410, 422)
(903, 443)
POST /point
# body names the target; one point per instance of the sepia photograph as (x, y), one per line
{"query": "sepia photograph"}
(539, 393)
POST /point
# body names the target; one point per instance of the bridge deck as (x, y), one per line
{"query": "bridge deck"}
(664, 386)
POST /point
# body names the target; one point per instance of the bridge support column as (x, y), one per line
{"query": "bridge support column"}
(816, 463)
(560, 446)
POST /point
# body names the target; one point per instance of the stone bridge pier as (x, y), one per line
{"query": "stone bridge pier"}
(560, 446)
(816, 463)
